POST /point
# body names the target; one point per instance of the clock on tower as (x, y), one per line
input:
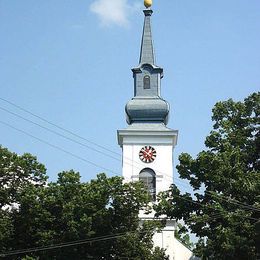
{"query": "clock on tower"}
(147, 154)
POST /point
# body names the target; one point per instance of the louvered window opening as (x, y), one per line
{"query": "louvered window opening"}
(147, 177)
(147, 82)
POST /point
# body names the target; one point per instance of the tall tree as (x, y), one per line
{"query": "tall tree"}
(224, 210)
(92, 220)
(16, 173)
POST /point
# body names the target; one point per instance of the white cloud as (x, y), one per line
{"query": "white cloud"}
(113, 12)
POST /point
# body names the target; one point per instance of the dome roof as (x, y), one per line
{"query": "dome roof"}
(147, 110)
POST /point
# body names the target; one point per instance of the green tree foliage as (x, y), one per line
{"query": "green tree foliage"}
(16, 172)
(224, 210)
(99, 218)
(181, 233)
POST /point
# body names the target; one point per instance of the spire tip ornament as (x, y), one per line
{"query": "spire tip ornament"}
(148, 3)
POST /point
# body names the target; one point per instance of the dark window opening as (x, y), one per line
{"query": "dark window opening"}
(147, 177)
(146, 82)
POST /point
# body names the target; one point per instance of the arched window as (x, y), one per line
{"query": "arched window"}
(146, 82)
(148, 177)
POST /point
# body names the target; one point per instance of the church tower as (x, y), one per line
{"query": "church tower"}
(147, 143)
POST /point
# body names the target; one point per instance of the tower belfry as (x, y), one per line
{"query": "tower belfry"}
(147, 143)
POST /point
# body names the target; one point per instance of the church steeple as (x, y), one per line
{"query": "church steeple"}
(147, 106)
(147, 143)
(147, 51)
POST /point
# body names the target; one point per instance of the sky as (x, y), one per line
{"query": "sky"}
(69, 62)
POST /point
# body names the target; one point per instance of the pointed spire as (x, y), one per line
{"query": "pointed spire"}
(147, 52)
(147, 106)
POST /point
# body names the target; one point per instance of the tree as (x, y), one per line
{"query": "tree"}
(16, 173)
(73, 219)
(224, 210)
(181, 233)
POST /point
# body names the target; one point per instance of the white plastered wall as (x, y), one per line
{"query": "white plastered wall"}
(163, 142)
(162, 165)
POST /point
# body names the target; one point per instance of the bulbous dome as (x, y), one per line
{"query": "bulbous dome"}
(152, 110)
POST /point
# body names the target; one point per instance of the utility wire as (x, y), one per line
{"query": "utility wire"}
(70, 139)
(226, 199)
(213, 216)
(57, 126)
(59, 148)
(245, 206)
(81, 158)
(217, 215)
(58, 134)
(75, 242)
(68, 244)
(89, 162)
(70, 132)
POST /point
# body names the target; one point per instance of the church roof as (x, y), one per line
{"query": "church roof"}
(147, 50)
(147, 106)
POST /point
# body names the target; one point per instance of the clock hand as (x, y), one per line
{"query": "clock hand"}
(144, 151)
(149, 154)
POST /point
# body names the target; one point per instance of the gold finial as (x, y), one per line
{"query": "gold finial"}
(148, 3)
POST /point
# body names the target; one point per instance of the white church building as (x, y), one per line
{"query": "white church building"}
(147, 143)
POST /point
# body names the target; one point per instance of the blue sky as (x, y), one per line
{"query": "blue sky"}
(70, 63)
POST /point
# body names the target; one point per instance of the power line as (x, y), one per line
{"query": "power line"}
(79, 157)
(89, 162)
(217, 215)
(68, 138)
(59, 148)
(228, 200)
(76, 156)
(245, 206)
(57, 133)
(57, 126)
(70, 132)
(218, 196)
(209, 206)
(68, 244)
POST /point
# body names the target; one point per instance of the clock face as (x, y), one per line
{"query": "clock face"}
(147, 154)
